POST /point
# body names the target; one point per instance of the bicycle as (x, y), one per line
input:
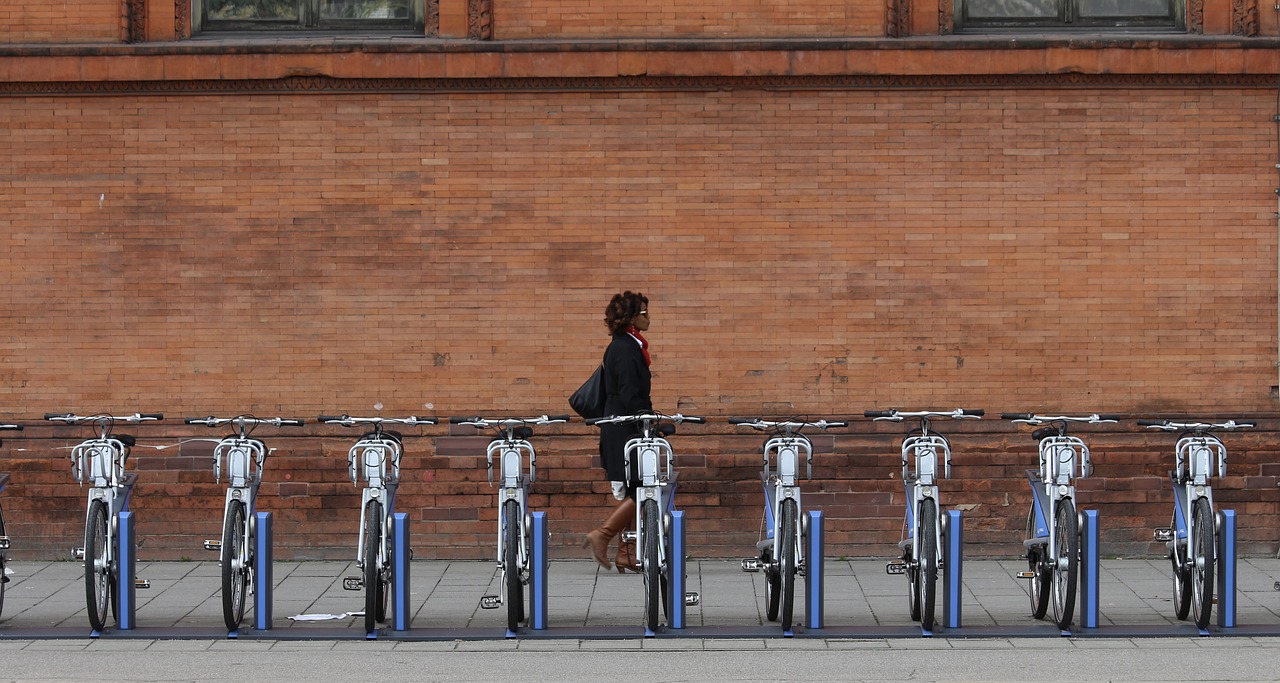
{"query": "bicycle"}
(1052, 541)
(921, 547)
(4, 535)
(375, 456)
(101, 461)
(244, 458)
(511, 446)
(780, 554)
(1191, 537)
(653, 458)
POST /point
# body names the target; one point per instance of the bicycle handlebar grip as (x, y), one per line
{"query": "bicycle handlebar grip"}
(12, 427)
(877, 413)
(593, 421)
(151, 416)
(193, 420)
(554, 418)
(1015, 416)
(329, 418)
(54, 416)
(291, 421)
(696, 420)
(741, 420)
(1151, 423)
(840, 423)
(460, 420)
(975, 413)
(1117, 418)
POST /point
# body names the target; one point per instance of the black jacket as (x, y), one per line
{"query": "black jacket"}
(626, 388)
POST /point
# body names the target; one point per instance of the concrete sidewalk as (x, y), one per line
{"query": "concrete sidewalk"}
(47, 600)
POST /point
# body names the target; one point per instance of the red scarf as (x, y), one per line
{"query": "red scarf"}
(644, 343)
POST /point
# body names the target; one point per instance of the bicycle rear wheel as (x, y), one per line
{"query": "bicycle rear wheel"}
(1181, 575)
(97, 569)
(772, 586)
(787, 561)
(513, 588)
(1067, 547)
(1039, 589)
(375, 605)
(235, 577)
(649, 521)
(1202, 548)
(3, 558)
(928, 538)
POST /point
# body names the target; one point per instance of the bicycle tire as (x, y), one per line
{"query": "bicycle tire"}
(1065, 571)
(928, 561)
(97, 572)
(1181, 576)
(772, 585)
(3, 559)
(1202, 576)
(652, 572)
(787, 561)
(511, 564)
(235, 576)
(373, 593)
(1038, 591)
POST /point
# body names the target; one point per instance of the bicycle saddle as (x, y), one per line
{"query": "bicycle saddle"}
(127, 439)
(523, 432)
(666, 429)
(386, 433)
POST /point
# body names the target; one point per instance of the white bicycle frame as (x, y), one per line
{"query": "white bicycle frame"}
(510, 454)
(1194, 457)
(788, 452)
(369, 459)
(1059, 456)
(244, 458)
(924, 450)
(654, 456)
(100, 462)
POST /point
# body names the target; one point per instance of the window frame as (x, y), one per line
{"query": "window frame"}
(308, 20)
(1068, 18)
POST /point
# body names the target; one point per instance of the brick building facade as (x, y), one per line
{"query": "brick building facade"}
(833, 207)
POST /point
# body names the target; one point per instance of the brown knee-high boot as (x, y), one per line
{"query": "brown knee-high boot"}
(625, 560)
(599, 538)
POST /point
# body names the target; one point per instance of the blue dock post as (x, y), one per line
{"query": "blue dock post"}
(1226, 568)
(814, 580)
(263, 577)
(953, 577)
(675, 588)
(538, 566)
(1090, 569)
(400, 571)
(127, 587)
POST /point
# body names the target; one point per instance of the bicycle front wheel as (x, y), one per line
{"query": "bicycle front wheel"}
(928, 537)
(511, 564)
(375, 596)
(97, 566)
(787, 561)
(235, 577)
(1066, 546)
(649, 521)
(1202, 549)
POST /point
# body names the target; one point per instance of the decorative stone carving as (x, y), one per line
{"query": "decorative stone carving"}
(1244, 17)
(1195, 16)
(182, 18)
(480, 19)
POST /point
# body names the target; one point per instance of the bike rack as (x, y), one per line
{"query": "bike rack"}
(399, 572)
(127, 588)
(538, 565)
(814, 580)
(953, 574)
(1226, 568)
(1090, 569)
(675, 590)
(263, 580)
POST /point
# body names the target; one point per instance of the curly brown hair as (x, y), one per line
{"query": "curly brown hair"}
(622, 309)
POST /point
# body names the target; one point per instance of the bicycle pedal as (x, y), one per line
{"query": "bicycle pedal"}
(4, 542)
(77, 553)
(491, 602)
(692, 599)
(629, 536)
(895, 568)
(213, 545)
(352, 583)
(141, 583)
(752, 564)
(1276, 586)
(1162, 535)
(1025, 575)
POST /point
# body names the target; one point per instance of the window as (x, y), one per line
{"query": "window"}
(284, 15)
(1091, 14)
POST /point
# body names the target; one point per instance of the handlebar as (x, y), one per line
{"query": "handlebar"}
(1170, 426)
(645, 417)
(1034, 419)
(899, 415)
(349, 421)
(12, 427)
(478, 421)
(212, 421)
(761, 424)
(72, 418)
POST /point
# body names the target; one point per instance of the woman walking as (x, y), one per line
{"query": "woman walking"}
(626, 387)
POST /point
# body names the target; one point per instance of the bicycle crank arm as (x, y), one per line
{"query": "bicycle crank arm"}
(352, 583)
(1163, 535)
(895, 568)
(491, 602)
(752, 564)
(213, 545)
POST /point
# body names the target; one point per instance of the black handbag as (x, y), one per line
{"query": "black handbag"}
(588, 400)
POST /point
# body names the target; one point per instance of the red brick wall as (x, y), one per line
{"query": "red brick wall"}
(806, 252)
(61, 21)
(513, 19)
